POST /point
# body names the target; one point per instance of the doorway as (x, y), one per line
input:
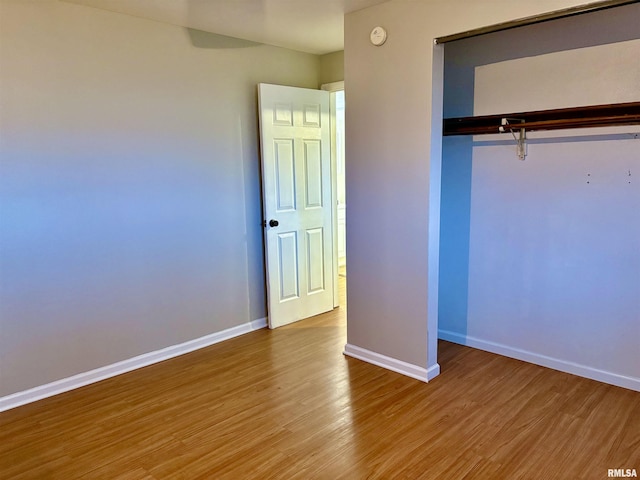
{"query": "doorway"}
(337, 108)
(341, 203)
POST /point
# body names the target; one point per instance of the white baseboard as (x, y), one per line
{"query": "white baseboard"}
(102, 373)
(398, 366)
(543, 360)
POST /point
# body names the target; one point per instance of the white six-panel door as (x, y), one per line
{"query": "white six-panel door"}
(296, 182)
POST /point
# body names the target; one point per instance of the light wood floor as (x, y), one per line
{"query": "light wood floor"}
(286, 404)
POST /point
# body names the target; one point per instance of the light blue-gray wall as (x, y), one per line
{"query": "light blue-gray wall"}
(129, 186)
(541, 258)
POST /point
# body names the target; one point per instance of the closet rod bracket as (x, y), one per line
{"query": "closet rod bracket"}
(521, 140)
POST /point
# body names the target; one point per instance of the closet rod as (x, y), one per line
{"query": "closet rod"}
(562, 118)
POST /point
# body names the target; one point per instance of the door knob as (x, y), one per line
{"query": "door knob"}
(273, 223)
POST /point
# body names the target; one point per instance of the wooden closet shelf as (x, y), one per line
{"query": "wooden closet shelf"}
(562, 118)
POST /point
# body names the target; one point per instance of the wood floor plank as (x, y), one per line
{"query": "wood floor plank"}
(286, 404)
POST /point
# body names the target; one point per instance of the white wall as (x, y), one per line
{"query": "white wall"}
(129, 186)
(543, 261)
(393, 168)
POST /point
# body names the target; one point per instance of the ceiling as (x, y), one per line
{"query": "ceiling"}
(313, 26)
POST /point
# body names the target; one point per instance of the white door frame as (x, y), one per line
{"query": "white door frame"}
(333, 88)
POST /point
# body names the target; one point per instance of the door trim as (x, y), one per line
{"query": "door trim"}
(332, 88)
